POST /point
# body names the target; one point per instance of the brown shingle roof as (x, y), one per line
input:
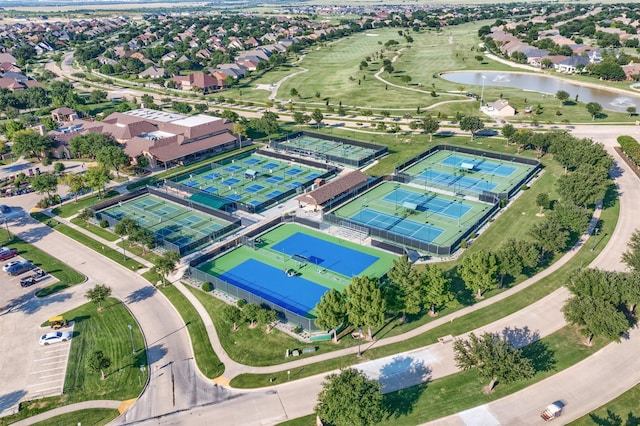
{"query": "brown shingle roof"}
(334, 188)
(172, 148)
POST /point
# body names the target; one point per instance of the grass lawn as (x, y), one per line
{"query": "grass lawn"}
(462, 324)
(207, 360)
(95, 416)
(66, 276)
(100, 232)
(622, 410)
(107, 331)
(461, 391)
(71, 207)
(254, 346)
(85, 240)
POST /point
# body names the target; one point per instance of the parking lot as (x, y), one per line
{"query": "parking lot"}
(11, 288)
(48, 368)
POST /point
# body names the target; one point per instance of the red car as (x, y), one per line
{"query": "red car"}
(7, 253)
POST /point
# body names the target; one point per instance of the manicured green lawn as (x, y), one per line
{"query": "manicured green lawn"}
(66, 276)
(95, 416)
(462, 391)
(207, 360)
(100, 232)
(71, 207)
(107, 331)
(624, 410)
(252, 346)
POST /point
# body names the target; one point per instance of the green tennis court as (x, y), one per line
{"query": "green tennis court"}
(467, 173)
(168, 221)
(252, 180)
(427, 216)
(319, 262)
(316, 147)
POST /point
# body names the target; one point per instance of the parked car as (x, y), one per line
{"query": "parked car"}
(7, 253)
(9, 265)
(19, 268)
(55, 337)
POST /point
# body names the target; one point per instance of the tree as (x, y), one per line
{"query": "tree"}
(75, 182)
(97, 361)
(632, 256)
(542, 201)
(596, 317)
(112, 157)
(143, 237)
(58, 167)
(125, 227)
(317, 116)
(508, 130)
(436, 292)
(96, 178)
(240, 130)
(181, 107)
(585, 186)
(45, 183)
(166, 264)
(495, 358)
(267, 316)
(331, 311)
(365, 306)
(562, 96)
(471, 124)
(407, 282)
(89, 144)
(550, 236)
(202, 107)
(30, 143)
(233, 315)
(294, 92)
(594, 109)
(430, 126)
(350, 398)
(631, 111)
(514, 255)
(98, 294)
(251, 313)
(478, 271)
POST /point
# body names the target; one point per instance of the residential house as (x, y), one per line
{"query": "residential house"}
(153, 72)
(499, 108)
(64, 115)
(631, 71)
(572, 64)
(200, 81)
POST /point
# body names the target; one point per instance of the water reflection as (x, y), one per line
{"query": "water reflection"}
(609, 99)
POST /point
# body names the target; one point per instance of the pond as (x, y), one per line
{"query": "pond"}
(609, 99)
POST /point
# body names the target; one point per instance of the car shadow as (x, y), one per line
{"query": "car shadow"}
(10, 399)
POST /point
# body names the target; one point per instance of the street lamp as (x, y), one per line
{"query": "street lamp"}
(595, 231)
(124, 254)
(359, 341)
(133, 346)
(6, 224)
(482, 91)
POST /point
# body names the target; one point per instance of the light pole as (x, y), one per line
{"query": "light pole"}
(595, 231)
(133, 346)
(482, 91)
(359, 341)
(124, 254)
(6, 224)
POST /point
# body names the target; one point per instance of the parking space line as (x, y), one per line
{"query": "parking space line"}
(53, 362)
(50, 375)
(50, 351)
(50, 357)
(48, 369)
(43, 383)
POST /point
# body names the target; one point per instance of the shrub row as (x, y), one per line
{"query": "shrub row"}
(631, 148)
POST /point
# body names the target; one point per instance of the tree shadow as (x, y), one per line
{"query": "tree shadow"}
(611, 195)
(401, 402)
(540, 355)
(463, 295)
(10, 399)
(403, 371)
(155, 353)
(520, 337)
(613, 419)
(29, 305)
(141, 294)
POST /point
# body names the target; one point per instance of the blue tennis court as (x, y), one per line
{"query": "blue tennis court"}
(270, 166)
(485, 166)
(302, 295)
(234, 197)
(293, 185)
(252, 161)
(274, 194)
(429, 203)
(274, 179)
(211, 189)
(456, 181)
(399, 225)
(230, 181)
(326, 254)
(211, 176)
(191, 183)
(255, 188)
(293, 172)
(232, 169)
